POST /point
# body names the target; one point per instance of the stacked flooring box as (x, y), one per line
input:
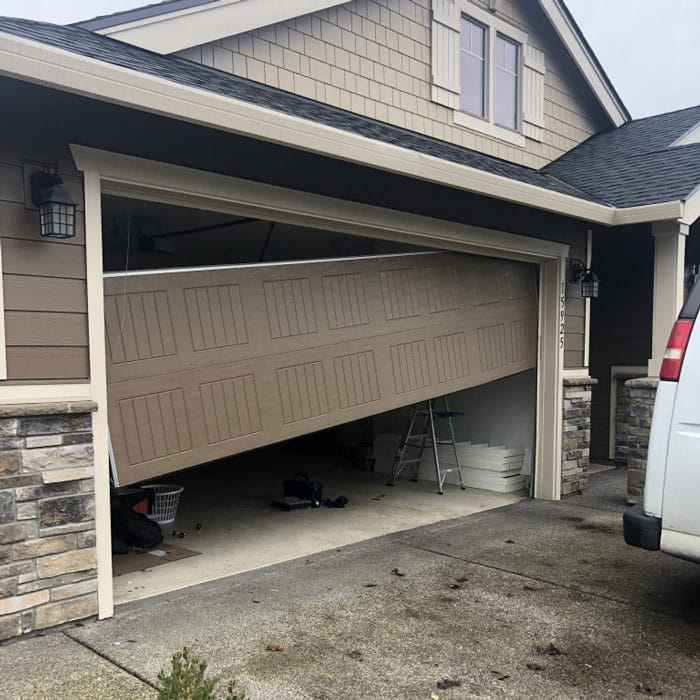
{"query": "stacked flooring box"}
(494, 468)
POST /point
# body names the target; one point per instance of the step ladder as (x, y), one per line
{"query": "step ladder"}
(413, 444)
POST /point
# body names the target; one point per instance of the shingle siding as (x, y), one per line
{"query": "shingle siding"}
(372, 57)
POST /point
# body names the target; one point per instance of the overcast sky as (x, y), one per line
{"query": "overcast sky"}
(649, 48)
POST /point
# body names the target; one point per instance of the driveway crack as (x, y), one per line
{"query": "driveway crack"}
(108, 659)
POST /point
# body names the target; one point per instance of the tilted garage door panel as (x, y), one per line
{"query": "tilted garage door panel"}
(208, 363)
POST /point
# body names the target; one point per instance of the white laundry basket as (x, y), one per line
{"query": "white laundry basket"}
(163, 508)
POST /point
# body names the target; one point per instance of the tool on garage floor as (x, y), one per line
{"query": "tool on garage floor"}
(417, 442)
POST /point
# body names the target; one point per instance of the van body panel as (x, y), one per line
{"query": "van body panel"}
(681, 544)
(682, 481)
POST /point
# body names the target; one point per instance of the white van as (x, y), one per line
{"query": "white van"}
(669, 518)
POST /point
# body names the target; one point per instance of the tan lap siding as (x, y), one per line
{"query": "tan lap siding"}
(44, 286)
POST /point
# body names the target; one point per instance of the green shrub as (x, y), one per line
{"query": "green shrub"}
(186, 680)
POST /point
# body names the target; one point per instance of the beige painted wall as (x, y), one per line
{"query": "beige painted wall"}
(373, 57)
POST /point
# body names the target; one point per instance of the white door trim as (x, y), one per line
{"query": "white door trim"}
(111, 173)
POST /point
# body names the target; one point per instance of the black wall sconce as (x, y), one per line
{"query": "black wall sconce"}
(56, 207)
(590, 284)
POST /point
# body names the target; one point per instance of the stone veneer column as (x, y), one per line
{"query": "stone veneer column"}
(47, 516)
(576, 438)
(634, 429)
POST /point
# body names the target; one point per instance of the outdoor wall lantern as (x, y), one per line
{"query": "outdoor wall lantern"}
(590, 284)
(56, 207)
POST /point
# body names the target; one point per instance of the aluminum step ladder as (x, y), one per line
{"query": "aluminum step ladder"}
(416, 442)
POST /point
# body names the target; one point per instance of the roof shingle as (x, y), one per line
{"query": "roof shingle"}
(636, 164)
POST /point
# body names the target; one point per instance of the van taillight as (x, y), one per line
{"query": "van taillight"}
(675, 350)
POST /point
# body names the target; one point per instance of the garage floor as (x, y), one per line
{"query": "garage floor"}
(242, 531)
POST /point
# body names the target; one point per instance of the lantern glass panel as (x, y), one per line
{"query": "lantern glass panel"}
(590, 285)
(57, 219)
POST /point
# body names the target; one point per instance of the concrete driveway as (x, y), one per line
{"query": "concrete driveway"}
(532, 600)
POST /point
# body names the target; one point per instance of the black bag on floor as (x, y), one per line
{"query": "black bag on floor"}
(132, 530)
(301, 487)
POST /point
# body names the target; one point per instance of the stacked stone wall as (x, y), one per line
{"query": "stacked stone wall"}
(576, 437)
(47, 517)
(633, 430)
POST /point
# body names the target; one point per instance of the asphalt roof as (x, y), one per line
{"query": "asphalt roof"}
(124, 16)
(635, 164)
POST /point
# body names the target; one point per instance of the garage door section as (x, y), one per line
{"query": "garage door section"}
(206, 363)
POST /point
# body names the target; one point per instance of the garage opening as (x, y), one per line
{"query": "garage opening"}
(241, 352)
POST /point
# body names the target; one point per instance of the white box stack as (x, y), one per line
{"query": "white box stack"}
(494, 468)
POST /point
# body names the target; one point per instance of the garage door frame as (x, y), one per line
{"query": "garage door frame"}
(128, 176)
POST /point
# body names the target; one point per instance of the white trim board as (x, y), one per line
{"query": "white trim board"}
(64, 70)
(44, 393)
(585, 61)
(175, 31)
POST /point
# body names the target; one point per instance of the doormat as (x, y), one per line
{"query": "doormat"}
(139, 561)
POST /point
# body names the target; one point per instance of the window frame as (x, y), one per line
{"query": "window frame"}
(494, 27)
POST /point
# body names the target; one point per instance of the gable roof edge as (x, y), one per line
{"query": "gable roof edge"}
(197, 23)
(580, 51)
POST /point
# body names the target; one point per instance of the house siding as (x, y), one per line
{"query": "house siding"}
(621, 316)
(44, 279)
(372, 57)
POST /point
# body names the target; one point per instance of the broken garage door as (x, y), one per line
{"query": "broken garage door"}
(205, 363)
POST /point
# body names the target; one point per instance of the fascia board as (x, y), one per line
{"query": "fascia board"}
(691, 207)
(585, 63)
(60, 69)
(176, 31)
(646, 213)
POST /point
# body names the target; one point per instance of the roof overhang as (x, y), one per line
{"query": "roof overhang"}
(585, 60)
(195, 22)
(60, 69)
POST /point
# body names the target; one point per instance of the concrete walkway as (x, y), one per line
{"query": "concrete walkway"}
(479, 596)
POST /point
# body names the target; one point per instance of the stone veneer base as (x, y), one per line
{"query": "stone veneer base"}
(576, 434)
(634, 428)
(48, 565)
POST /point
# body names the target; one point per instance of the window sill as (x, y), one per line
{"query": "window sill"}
(486, 128)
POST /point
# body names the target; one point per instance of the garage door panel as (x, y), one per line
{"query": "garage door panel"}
(208, 363)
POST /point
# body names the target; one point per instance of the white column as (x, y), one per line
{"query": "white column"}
(550, 380)
(669, 270)
(98, 384)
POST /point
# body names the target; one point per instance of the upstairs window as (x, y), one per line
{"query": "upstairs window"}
(485, 69)
(472, 52)
(506, 83)
(489, 76)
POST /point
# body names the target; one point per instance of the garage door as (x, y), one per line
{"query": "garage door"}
(206, 363)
